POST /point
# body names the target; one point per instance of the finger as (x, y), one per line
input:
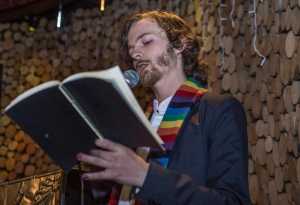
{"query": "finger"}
(106, 155)
(96, 152)
(103, 175)
(107, 144)
(92, 160)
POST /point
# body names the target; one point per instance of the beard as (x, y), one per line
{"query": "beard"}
(149, 76)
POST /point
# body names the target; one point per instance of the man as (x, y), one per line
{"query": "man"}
(204, 134)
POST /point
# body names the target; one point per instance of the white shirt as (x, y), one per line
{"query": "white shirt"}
(159, 110)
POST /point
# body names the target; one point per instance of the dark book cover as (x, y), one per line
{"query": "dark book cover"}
(55, 125)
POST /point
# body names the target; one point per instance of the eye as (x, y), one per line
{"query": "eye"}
(147, 41)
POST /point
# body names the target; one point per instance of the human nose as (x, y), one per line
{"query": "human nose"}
(136, 53)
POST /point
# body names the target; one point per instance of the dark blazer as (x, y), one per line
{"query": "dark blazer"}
(209, 162)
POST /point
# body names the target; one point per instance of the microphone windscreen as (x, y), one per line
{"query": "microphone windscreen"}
(131, 77)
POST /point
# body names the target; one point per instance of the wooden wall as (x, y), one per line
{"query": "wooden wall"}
(269, 91)
(249, 32)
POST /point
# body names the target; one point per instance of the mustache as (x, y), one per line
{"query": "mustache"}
(141, 64)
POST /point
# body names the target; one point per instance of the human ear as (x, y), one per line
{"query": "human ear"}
(182, 46)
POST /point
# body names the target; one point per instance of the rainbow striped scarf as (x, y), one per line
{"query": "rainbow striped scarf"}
(188, 93)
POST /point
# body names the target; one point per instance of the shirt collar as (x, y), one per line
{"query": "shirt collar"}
(160, 108)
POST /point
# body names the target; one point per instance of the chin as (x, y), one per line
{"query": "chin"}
(147, 84)
(150, 83)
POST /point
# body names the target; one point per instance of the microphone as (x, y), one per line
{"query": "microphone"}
(132, 77)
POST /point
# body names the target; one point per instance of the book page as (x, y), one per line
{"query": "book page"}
(115, 77)
(32, 91)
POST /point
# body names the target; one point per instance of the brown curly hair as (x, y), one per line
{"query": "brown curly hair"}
(176, 29)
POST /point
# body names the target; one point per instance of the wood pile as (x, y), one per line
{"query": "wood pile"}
(270, 93)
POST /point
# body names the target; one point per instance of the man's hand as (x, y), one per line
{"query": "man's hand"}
(120, 164)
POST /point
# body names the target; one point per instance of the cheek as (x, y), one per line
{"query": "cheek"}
(152, 51)
(163, 60)
(157, 48)
(156, 54)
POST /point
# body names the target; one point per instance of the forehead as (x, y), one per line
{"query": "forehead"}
(144, 26)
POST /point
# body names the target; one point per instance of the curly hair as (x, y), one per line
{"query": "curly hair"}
(177, 31)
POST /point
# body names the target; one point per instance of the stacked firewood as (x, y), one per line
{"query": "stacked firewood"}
(269, 91)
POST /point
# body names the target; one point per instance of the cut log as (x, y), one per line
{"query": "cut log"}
(254, 188)
(228, 44)
(226, 82)
(10, 164)
(29, 170)
(273, 192)
(279, 179)
(290, 44)
(261, 153)
(285, 71)
(295, 92)
(275, 154)
(295, 20)
(270, 165)
(19, 136)
(287, 98)
(259, 128)
(282, 148)
(256, 107)
(268, 144)
(30, 148)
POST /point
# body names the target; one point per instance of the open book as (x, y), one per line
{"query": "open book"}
(66, 117)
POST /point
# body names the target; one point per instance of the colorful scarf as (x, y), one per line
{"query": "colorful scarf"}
(185, 97)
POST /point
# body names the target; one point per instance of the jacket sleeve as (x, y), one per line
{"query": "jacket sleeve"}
(227, 180)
